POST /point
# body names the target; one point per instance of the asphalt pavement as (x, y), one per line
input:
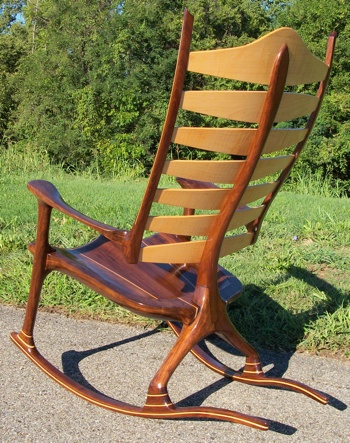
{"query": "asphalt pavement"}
(120, 361)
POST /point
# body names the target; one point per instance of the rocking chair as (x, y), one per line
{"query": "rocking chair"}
(166, 266)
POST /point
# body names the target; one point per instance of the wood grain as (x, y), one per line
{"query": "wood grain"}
(246, 106)
(210, 199)
(252, 62)
(199, 225)
(235, 141)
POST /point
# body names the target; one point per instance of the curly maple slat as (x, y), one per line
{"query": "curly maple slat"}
(234, 141)
(269, 166)
(252, 62)
(192, 192)
(209, 199)
(215, 171)
(191, 252)
(199, 225)
(283, 138)
(256, 192)
(194, 225)
(246, 106)
(223, 171)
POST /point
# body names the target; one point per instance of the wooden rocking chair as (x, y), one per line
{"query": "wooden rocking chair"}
(173, 274)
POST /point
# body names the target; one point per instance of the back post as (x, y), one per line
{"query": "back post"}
(133, 239)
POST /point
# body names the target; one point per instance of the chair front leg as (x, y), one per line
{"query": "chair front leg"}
(157, 392)
(39, 272)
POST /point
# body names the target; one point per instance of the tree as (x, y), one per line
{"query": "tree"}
(54, 77)
(95, 81)
(329, 146)
(9, 12)
(12, 49)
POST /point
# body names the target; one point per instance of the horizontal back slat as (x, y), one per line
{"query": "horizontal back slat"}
(244, 216)
(207, 199)
(199, 225)
(252, 63)
(223, 171)
(215, 171)
(283, 138)
(193, 225)
(295, 105)
(268, 166)
(191, 252)
(234, 141)
(255, 192)
(246, 106)
(186, 252)
(235, 243)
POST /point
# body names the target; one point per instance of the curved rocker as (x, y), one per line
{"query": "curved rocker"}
(173, 275)
(156, 406)
(252, 372)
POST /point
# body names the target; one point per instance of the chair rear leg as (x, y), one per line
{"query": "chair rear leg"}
(253, 373)
(235, 339)
(158, 403)
(158, 392)
(230, 334)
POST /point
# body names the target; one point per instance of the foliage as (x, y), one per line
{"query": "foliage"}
(87, 82)
(94, 82)
(328, 149)
(12, 50)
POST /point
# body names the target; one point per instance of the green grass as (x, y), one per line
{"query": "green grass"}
(296, 277)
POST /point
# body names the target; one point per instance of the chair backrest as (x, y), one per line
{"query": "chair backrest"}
(233, 193)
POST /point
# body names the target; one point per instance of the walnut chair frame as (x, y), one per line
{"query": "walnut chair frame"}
(173, 274)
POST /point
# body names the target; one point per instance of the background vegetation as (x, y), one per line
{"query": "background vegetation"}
(87, 82)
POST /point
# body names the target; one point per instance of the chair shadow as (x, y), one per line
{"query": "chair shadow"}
(257, 297)
(200, 396)
(71, 360)
(278, 360)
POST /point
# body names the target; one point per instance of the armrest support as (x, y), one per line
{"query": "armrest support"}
(47, 193)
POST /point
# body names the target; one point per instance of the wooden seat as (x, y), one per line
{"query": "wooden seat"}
(166, 266)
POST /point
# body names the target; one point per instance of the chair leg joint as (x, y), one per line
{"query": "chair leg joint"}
(253, 369)
(158, 400)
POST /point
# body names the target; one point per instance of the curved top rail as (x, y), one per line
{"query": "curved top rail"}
(253, 62)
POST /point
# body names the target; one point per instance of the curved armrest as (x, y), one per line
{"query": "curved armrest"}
(47, 192)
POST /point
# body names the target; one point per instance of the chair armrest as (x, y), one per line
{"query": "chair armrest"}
(48, 193)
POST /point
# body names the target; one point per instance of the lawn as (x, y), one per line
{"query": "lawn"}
(296, 277)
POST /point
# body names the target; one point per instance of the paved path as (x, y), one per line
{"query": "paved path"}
(35, 409)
